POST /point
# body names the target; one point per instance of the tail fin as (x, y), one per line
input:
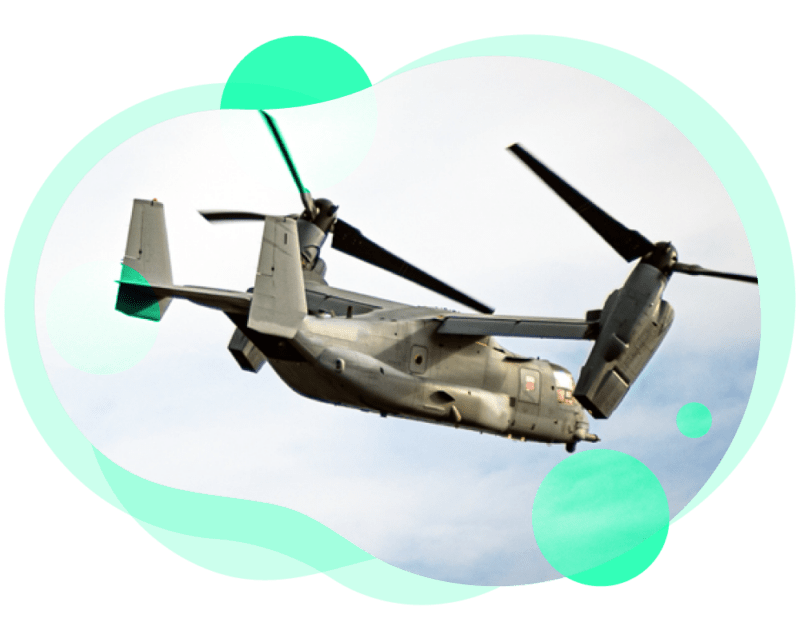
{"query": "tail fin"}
(146, 263)
(279, 295)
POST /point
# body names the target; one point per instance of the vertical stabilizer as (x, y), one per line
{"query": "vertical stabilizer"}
(146, 263)
(279, 296)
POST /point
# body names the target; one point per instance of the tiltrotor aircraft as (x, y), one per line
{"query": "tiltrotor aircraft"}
(428, 364)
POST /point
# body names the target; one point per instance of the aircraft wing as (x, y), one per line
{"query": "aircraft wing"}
(326, 298)
(511, 326)
(319, 297)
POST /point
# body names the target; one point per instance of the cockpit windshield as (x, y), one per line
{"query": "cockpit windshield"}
(564, 380)
(564, 387)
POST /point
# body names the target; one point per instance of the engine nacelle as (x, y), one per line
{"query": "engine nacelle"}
(633, 323)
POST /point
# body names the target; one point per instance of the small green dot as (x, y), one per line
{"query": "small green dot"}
(694, 420)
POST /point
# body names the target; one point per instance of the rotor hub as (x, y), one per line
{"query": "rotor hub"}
(326, 214)
(664, 256)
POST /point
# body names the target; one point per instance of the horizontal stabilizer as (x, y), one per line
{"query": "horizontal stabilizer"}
(137, 298)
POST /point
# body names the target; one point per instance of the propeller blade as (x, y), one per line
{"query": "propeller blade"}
(350, 240)
(629, 244)
(222, 215)
(305, 196)
(694, 269)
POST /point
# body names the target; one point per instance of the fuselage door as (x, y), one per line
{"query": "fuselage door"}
(529, 387)
(527, 409)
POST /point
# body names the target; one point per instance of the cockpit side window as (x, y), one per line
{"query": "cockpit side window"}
(564, 396)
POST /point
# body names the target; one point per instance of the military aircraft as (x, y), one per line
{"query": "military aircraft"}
(428, 364)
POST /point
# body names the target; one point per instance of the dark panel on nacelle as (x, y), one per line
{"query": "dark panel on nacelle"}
(271, 347)
(633, 324)
(247, 355)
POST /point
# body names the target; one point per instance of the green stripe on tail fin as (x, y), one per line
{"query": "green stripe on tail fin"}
(136, 297)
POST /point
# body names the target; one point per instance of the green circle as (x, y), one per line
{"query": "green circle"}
(600, 517)
(694, 420)
(85, 329)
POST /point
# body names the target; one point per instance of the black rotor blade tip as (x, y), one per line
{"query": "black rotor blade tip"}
(629, 244)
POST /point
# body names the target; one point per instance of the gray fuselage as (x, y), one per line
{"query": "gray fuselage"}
(393, 362)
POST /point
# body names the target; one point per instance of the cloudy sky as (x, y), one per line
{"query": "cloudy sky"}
(430, 179)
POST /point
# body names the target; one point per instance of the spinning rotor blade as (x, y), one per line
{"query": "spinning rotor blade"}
(221, 215)
(694, 269)
(308, 201)
(629, 244)
(351, 241)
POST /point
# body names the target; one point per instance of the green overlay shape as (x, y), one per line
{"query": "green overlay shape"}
(135, 296)
(600, 517)
(291, 72)
(710, 134)
(693, 420)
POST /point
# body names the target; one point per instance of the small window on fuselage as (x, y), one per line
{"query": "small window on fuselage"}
(564, 396)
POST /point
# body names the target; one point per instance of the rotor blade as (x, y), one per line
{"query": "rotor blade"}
(694, 269)
(221, 215)
(350, 240)
(629, 244)
(308, 201)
